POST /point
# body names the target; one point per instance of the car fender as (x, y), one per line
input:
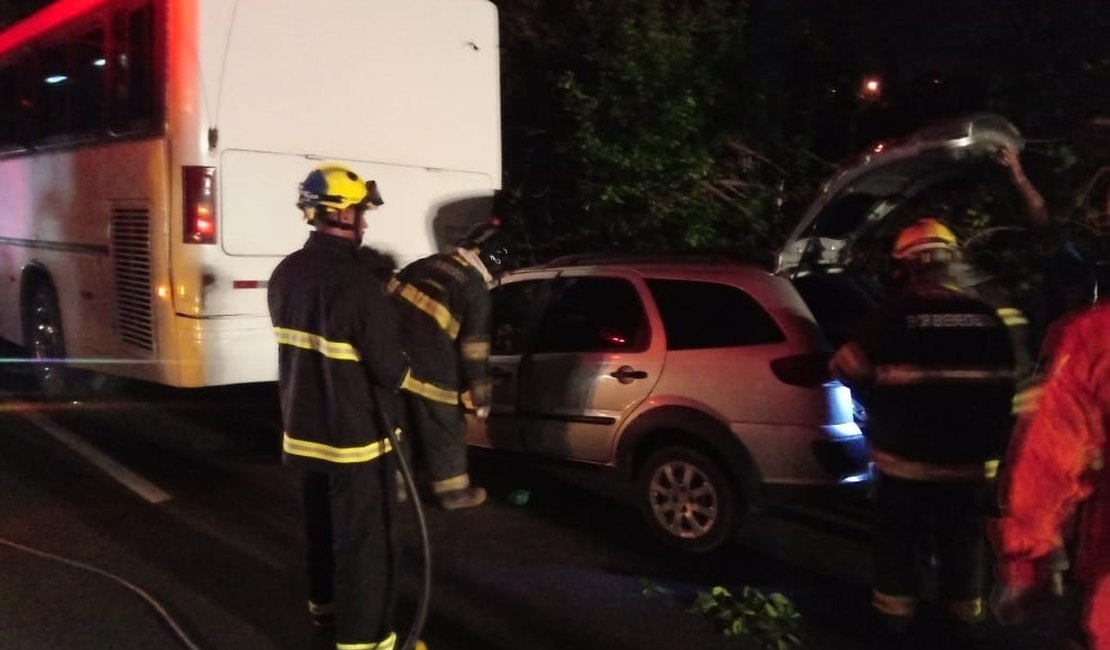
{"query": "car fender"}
(655, 427)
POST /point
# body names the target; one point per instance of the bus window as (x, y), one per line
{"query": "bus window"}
(134, 100)
(11, 117)
(55, 91)
(88, 67)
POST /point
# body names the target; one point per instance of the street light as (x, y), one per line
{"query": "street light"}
(871, 88)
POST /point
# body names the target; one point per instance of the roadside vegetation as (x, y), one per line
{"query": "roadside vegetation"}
(656, 124)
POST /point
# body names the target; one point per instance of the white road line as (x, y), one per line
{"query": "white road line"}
(132, 481)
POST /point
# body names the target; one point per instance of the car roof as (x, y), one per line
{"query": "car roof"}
(677, 266)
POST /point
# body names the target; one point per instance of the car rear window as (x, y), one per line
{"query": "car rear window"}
(699, 315)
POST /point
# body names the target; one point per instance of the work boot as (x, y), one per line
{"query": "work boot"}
(467, 497)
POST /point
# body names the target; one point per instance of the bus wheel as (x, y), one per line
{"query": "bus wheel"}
(45, 341)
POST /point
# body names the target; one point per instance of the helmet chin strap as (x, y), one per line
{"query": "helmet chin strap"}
(325, 216)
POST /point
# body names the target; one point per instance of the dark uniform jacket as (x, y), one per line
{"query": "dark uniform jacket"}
(942, 368)
(337, 342)
(940, 364)
(444, 306)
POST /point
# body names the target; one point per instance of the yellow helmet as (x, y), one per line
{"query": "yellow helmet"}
(925, 234)
(334, 186)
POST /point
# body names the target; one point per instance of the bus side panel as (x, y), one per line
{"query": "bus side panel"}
(89, 218)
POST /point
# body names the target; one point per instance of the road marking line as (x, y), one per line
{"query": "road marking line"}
(132, 481)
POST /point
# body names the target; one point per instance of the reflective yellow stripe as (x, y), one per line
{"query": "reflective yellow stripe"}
(1011, 317)
(968, 611)
(893, 605)
(331, 349)
(425, 303)
(331, 454)
(475, 350)
(913, 470)
(388, 643)
(1026, 401)
(459, 482)
(903, 374)
(431, 391)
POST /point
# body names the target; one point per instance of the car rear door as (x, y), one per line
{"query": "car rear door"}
(596, 354)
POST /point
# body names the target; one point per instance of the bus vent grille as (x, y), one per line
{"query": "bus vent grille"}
(131, 260)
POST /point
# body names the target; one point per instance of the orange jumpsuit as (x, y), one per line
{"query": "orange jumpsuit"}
(1057, 463)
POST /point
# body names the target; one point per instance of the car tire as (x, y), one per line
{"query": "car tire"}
(687, 499)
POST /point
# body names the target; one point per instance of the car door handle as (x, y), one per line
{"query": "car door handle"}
(627, 374)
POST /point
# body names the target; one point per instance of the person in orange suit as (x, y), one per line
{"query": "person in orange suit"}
(1056, 468)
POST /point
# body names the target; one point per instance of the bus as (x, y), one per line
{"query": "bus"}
(151, 150)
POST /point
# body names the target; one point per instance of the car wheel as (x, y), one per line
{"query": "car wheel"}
(45, 341)
(687, 499)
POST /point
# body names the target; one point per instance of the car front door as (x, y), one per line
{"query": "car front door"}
(515, 308)
(593, 358)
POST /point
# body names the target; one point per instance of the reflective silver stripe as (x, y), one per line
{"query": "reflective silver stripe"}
(331, 349)
(913, 470)
(475, 350)
(430, 306)
(1012, 317)
(852, 362)
(331, 454)
(388, 643)
(429, 390)
(893, 605)
(914, 374)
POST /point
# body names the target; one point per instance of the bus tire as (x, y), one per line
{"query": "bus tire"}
(44, 339)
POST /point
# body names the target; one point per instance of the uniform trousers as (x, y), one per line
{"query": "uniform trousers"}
(921, 520)
(349, 517)
(440, 441)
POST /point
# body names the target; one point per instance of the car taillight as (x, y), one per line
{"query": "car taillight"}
(808, 370)
(198, 207)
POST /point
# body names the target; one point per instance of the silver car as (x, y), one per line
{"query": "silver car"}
(703, 381)
(700, 380)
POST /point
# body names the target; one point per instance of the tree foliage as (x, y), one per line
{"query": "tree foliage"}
(639, 146)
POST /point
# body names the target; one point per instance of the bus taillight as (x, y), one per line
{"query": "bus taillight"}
(198, 207)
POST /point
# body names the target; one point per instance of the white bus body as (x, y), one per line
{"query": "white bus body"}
(116, 116)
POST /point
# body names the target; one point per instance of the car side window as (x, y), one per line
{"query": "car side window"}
(699, 315)
(511, 305)
(601, 314)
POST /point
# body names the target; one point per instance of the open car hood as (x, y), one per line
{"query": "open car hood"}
(865, 190)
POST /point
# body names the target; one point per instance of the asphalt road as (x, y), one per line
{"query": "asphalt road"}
(153, 518)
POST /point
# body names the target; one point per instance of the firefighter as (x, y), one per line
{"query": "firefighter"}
(1055, 463)
(340, 363)
(939, 363)
(444, 306)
